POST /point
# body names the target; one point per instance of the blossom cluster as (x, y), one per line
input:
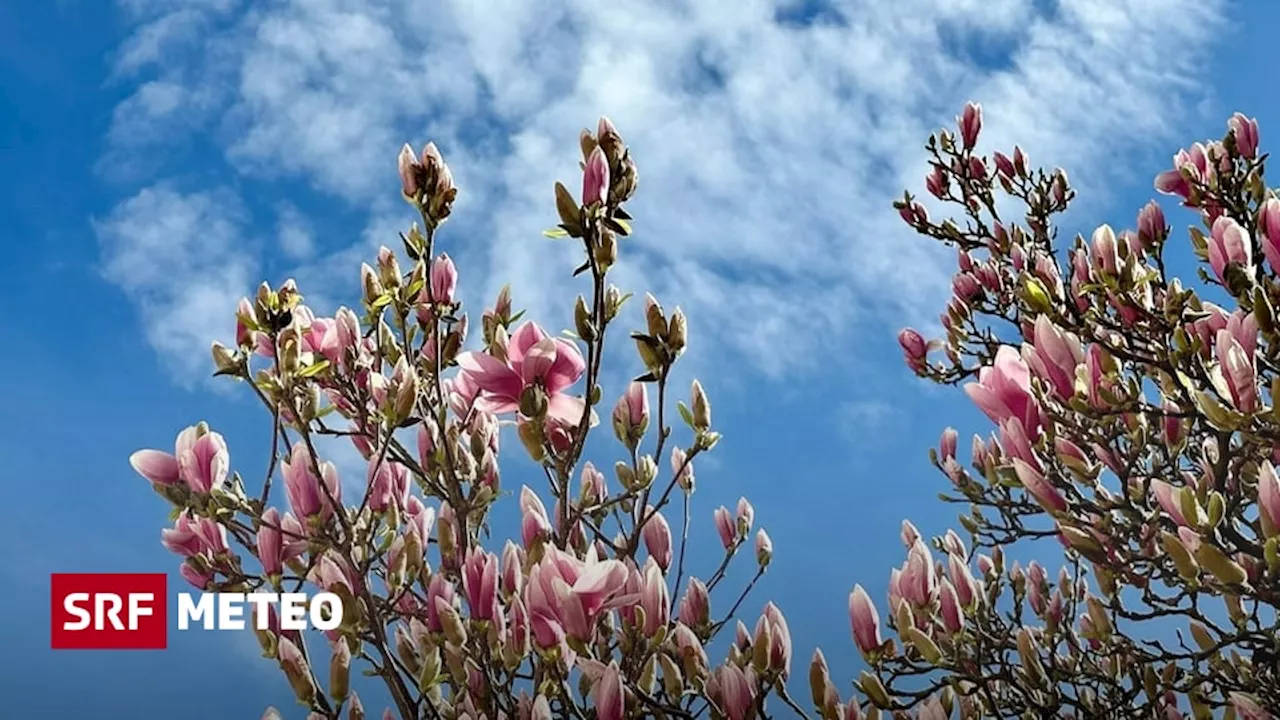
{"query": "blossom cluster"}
(1135, 422)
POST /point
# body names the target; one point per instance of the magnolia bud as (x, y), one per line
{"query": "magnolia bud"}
(369, 281)
(701, 408)
(454, 631)
(655, 318)
(646, 472)
(388, 267)
(874, 690)
(648, 351)
(340, 671)
(582, 320)
(225, 360)
(606, 250)
(677, 332)
(764, 548)
(297, 671)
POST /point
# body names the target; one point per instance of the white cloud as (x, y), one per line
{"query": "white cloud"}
(769, 146)
(294, 233)
(182, 260)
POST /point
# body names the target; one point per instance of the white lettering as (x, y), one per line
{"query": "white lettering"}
(293, 611)
(226, 611)
(261, 612)
(71, 603)
(189, 611)
(333, 604)
(231, 611)
(136, 609)
(108, 606)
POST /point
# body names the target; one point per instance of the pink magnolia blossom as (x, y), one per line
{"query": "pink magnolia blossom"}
(200, 461)
(440, 592)
(592, 486)
(949, 608)
(194, 535)
(631, 414)
(1269, 495)
(443, 280)
(565, 595)
(970, 121)
(158, 466)
(1229, 243)
(389, 484)
(1194, 162)
(914, 348)
(725, 527)
(1247, 707)
(1039, 487)
(917, 583)
(779, 636)
(270, 543)
(909, 534)
(480, 583)
(657, 538)
(654, 598)
(535, 524)
(1238, 371)
(1054, 357)
(533, 359)
(1269, 229)
(200, 580)
(746, 516)
(764, 548)
(1003, 390)
(733, 689)
(595, 178)
(307, 496)
(1245, 130)
(694, 608)
(608, 697)
(865, 621)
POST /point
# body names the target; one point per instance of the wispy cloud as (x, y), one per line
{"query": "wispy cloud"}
(181, 258)
(771, 137)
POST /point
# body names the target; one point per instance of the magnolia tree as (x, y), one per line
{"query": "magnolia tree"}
(1132, 427)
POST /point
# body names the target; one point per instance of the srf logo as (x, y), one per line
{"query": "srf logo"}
(109, 611)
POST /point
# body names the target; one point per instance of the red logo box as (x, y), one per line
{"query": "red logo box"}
(109, 611)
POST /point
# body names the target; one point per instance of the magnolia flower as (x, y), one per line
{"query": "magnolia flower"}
(1003, 391)
(200, 461)
(865, 621)
(534, 360)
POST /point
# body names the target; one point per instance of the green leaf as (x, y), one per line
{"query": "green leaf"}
(409, 248)
(570, 334)
(314, 369)
(382, 301)
(414, 288)
(555, 233)
(622, 227)
(622, 214)
(685, 414)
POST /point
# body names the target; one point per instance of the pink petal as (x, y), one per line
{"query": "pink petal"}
(491, 375)
(158, 467)
(567, 368)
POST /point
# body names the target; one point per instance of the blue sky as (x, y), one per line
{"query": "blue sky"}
(163, 156)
